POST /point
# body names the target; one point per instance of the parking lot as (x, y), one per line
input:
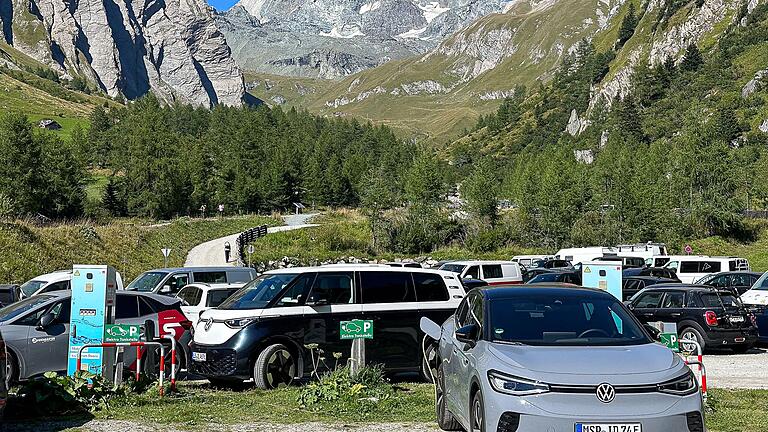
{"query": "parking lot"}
(746, 371)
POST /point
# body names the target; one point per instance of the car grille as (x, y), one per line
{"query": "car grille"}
(508, 422)
(220, 362)
(695, 422)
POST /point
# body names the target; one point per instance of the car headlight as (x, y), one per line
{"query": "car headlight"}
(239, 322)
(515, 386)
(681, 386)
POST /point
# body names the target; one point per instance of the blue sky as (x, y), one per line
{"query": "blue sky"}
(222, 4)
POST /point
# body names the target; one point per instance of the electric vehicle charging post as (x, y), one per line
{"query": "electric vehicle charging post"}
(603, 275)
(92, 308)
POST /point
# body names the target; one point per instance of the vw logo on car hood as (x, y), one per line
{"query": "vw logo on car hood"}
(208, 324)
(606, 393)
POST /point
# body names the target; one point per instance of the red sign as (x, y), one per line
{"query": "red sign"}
(688, 249)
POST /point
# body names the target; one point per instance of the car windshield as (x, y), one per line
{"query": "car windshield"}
(19, 308)
(547, 277)
(259, 292)
(762, 283)
(147, 282)
(564, 319)
(31, 287)
(453, 268)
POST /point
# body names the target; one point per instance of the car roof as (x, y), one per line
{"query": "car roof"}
(214, 286)
(652, 278)
(474, 262)
(358, 267)
(684, 287)
(57, 276)
(201, 269)
(549, 288)
(157, 297)
(735, 272)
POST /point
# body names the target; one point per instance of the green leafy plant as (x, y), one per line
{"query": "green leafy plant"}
(341, 392)
(59, 395)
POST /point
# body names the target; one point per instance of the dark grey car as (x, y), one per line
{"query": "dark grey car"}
(34, 349)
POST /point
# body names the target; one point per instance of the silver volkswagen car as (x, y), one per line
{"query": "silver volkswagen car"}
(557, 359)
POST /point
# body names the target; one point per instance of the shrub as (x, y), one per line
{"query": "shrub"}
(59, 395)
(340, 392)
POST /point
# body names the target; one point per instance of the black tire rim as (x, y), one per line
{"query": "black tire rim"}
(477, 416)
(430, 359)
(280, 369)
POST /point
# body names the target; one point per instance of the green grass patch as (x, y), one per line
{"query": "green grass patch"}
(738, 410)
(131, 246)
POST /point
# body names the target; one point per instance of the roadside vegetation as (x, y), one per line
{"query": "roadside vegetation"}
(132, 246)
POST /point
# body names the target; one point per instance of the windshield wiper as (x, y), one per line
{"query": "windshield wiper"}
(516, 343)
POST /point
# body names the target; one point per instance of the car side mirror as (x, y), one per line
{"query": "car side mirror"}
(653, 331)
(45, 321)
(468, 334)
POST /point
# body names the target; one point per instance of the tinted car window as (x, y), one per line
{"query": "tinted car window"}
(492, 271)
(126, 306)
(673, 300)
(689, 267)
(462, 313)
(710, 267)
(430, 287)
(563, 319)
(259, 292)
(332, 288)
(649, 300)
(145, 307)
(217, 296)
(57, 286)
(453, 268)
(211, 277)
(61, 312)
(191, 295)
(386, 287)
(177, 282)
(712, 300)
(19, 308)
(297, 293)
(234, 277)
(473, 273)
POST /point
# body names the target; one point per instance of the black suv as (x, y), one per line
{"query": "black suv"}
(634, 284)
(659, 272)
(737, 282)
(712, 317)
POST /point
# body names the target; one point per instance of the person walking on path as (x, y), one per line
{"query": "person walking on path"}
(227, 251)
(203, 208)
(221, 210)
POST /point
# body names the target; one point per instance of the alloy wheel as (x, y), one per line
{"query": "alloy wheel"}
(280, 369)
(477, 416)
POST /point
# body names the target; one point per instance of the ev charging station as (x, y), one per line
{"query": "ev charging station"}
(603, 275)
(93, 307)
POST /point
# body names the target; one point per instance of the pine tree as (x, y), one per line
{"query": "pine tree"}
(692, 60)
(480, 190)
(628, 25)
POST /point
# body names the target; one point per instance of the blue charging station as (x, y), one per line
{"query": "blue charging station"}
(603, 275)
(93, 306)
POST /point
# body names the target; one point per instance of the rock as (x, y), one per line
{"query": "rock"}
(604, 139)
(278, 99)
(754, 84)
(169, 47)
(584, 156)
(764, 126)
(576, 125)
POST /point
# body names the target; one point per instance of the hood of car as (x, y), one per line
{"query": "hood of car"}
(755, 297)
(594, 360)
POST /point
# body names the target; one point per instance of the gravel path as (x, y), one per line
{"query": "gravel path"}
(122, 425)
(211, 253)
(726, 370)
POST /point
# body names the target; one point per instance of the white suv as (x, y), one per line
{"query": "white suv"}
(57, 281)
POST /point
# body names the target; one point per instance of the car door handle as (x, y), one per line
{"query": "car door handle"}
(675, 314)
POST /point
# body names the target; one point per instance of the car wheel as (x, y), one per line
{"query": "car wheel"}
(11, 369)
(477, 414)
(428, 369)
(274, 367)
(445, 419)
(741, 349)
(690, 333)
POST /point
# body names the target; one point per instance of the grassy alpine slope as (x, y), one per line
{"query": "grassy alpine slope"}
(131, 246)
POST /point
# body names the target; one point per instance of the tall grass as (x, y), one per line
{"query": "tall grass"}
(131, 246)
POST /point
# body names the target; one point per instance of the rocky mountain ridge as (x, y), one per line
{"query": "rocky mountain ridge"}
(169, 47)
(336, 38)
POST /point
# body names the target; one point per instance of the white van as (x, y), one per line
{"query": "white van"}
(690, 268)
(584, 254)
(57, 281)
(642, 250)
(493, 272)
(528, 260)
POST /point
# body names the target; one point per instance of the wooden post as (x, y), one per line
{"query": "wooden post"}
(358, 356)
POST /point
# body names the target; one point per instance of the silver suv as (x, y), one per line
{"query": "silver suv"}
(557, 359)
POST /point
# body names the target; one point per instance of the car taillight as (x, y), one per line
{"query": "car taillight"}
(711, 318)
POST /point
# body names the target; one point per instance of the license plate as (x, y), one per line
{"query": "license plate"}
(199, 356)
(737, 319)
(609, 427)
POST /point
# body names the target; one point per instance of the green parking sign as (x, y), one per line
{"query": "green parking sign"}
(356, 329)
(670, 341)
(120, 333)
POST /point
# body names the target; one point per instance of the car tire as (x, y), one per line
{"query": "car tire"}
(445, 420)
(477, 413)
(428, 369)
(275, 366)
(11, 369)
(693, 333)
